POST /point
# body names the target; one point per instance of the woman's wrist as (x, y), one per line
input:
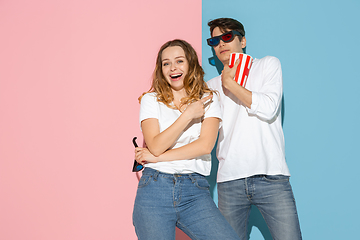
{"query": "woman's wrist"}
(186, 116)
(159, 158)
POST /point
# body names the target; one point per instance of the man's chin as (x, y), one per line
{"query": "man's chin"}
(225, 61)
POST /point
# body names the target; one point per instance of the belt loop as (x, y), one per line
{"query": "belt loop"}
(156, 174)
(192, 178)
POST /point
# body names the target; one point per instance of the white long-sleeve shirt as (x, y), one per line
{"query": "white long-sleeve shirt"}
(251, 141)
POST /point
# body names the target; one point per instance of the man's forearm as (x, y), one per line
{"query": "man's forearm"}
(244, 95)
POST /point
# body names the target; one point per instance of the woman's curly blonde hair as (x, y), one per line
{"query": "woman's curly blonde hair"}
(194, 83)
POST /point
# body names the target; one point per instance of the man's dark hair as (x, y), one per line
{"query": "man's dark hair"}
(226, 24)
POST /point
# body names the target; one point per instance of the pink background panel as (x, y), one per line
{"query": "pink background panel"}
(70, 75)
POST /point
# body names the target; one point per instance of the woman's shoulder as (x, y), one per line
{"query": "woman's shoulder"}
(150, 96)
(214, 94)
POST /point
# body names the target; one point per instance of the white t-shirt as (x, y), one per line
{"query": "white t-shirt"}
(251, 141)
(151, 108)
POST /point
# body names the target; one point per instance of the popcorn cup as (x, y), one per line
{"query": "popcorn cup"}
(242, 71)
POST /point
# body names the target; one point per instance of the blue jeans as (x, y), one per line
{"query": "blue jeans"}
(272, 195)
(164, 201)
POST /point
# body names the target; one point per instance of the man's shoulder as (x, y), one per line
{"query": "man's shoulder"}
(212, 83)
(267, 60)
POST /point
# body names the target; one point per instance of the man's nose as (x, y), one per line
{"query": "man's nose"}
(222, 43)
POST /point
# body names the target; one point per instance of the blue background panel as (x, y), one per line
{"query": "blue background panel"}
(317, 44)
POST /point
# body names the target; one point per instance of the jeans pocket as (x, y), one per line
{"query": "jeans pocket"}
(276, 178)
(202, 183)
(144, 181)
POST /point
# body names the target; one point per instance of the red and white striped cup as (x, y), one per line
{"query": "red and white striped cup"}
(242, 71)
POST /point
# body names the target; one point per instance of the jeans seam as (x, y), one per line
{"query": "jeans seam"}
(276, 180)
(144, 182)
(194, 180)
(246, 222)
(267, 224)
(249, 197)
(156, 175)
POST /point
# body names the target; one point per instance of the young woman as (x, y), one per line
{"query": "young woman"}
(179, 119)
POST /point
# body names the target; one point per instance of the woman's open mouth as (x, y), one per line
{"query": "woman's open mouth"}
(176, 77)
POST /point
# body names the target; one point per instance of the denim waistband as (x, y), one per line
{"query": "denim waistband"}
(150, 171)
(258, 176)
(265, 175)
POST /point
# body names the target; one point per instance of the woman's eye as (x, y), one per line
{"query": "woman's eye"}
(180, 61)
(165, 64)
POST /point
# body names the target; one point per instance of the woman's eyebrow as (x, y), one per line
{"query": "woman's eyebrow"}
(166, 59)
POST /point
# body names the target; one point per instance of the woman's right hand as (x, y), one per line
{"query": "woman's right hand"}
(197, 109)
(143, 156)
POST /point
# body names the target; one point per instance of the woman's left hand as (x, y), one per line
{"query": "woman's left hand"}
(143, 156)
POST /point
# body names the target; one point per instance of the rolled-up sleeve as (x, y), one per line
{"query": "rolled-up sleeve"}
(266, 101)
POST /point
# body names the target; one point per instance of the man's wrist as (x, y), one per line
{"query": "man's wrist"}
(228, 82)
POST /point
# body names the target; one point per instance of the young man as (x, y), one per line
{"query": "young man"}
(251, 150)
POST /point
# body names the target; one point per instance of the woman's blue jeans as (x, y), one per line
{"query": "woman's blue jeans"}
(164, 201)
(272, 195)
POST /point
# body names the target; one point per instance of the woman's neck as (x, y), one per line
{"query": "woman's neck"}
(178, 95)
